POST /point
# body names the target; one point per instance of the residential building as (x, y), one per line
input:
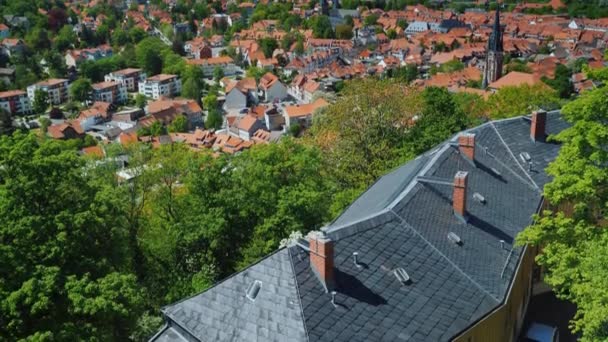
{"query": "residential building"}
(198, 48)
(303, 89)
(246, 126)
(96, 114)
(7, 75)
(271, 88)
(208, 65)
(302, 114)
(65, 130)
(161, 85)
(130, 78)
(494, 53)
(5, 31)
(11, 46)
(56, 88)
(417, 27)
(166, 111)
(73, 58)
(15, 102)
(240, 94)
(427, 253)
(514, 79)
(111, 92)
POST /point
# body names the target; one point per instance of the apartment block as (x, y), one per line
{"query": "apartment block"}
(161, 85)
(130, 78)
(111, 92)
(57, 88)
(15, 102)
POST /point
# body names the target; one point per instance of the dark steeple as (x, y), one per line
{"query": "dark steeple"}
(494, 54)
(495, 42)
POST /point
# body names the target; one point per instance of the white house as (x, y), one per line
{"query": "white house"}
(161, 85)
(129, 77)
(208, 65)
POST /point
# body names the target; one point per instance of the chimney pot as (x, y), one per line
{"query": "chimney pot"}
(537, 128)
(322, 259)
(466, 145)
(460, 194)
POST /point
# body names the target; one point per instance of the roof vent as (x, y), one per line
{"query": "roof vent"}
(454, 238)
(356, 259)
(401, 275)
(333, 298)
(525, 157)
(479, 198)
(253, 290)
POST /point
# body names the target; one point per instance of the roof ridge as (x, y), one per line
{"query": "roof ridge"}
(427, 242)
(512, 155)
(293, 270)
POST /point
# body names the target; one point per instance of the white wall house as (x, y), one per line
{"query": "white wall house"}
(129, 77)
(161, 85)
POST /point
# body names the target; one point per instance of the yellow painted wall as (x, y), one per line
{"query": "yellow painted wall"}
(499, 326)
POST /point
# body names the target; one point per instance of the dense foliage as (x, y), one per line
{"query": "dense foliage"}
(573, 236)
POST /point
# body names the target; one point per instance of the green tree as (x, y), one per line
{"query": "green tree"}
(214, 119)
(362, 133)
(44, 124)
(191, 89)
(179, 125)
(561, 82)
(321, 26)
(371, 20)
(141, 101)
(70, 280)
(519, 100)
(81, 90)
(6, 122)
(41, 101)
(218, 74)
(344, 31)
(148, 54)
(120, 37)
(572, 235)
(268, 45)
(299, 49)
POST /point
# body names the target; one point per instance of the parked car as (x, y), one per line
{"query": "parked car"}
(538, 332)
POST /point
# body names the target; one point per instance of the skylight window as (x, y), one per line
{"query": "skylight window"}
(254, 290)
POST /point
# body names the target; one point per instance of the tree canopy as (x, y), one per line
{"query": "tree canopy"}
(573, 236)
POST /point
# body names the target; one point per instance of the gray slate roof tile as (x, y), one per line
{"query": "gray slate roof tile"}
(401, 221)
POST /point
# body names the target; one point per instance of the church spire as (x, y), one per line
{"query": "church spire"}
(495, 42)
(494, 53)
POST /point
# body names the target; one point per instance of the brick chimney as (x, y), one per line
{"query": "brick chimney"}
(466, 145)
(459, 197)
(537, 129)
(322, 259)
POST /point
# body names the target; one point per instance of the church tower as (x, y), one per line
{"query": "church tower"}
(494, 53)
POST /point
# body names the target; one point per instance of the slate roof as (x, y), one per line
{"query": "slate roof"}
(401, 221)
